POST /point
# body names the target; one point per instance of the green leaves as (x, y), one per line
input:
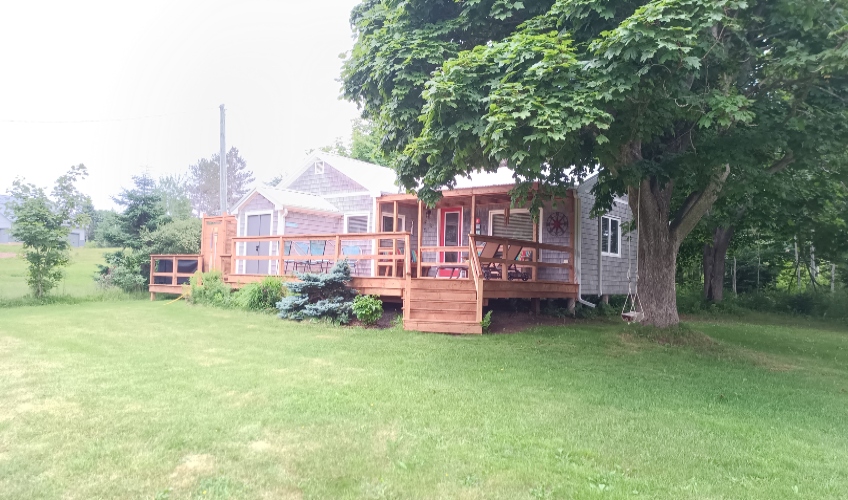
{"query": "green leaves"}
(555, 88)
(43, 224)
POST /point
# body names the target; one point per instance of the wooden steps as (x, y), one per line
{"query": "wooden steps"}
(442, 306)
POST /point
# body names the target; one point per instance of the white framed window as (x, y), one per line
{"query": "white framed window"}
(610, 236)
(520, 224)
(356, 222)
(319, 167)
(387, 225)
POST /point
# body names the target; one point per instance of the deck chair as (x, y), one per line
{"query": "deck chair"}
(490, 269)
(288, 262)
(351, 250)
(301, 248)
(425, 270)
(512, 272)
(317, 248)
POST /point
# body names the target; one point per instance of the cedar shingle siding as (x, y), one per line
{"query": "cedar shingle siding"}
(614, 269)
(330, 182)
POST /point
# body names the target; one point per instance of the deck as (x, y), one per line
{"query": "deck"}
(429, 281)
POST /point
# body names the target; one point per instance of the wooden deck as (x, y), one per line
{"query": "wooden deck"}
(387, 266)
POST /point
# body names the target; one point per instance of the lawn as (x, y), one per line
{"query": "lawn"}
(140, 399)
(79, 275)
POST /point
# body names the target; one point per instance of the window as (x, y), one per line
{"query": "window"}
(520, 225)
(356, 223)
(388, 227)
(319, 167)
(610, 236)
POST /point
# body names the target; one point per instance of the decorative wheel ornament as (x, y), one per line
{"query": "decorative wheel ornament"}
(557, 224)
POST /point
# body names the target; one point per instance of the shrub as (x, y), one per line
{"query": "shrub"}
(209, 289)
(486, 322)
(262, 296)
(368, 308)
(177, 237)
(320, 296)
(122, 271)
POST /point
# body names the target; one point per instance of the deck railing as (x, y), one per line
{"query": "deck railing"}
(370, 254)
(527, 256)
(173, 269)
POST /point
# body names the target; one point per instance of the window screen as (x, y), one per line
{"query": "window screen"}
(357, 224)
(520, 226)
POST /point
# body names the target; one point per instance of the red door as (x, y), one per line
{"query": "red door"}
(450, 235)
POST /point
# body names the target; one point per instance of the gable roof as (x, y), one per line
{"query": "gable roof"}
(374, 178)
(287, 198)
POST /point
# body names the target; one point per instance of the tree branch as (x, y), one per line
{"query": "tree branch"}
(781, 164)
(692, 211)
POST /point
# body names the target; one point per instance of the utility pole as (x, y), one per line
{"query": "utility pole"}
(222, 163)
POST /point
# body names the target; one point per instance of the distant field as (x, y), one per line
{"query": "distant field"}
(79, 274)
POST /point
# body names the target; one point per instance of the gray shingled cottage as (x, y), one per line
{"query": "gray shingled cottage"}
(330, 194)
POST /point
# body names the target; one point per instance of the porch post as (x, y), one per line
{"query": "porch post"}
(573, 236)
(534, 271)
(394, 239)
(474, 213)
(420, 233)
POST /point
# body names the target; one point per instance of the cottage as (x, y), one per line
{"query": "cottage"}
(472, 246)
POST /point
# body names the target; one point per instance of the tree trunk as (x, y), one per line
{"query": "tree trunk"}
(657, 258)
(715, 255)
(734, 277)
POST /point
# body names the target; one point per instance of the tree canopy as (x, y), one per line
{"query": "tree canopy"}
(204, 182)
(666, 99)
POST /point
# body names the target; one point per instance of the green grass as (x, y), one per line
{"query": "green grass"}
(145, 400)
(79, 275)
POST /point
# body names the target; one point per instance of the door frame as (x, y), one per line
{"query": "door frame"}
(440, 234)
(248, 214)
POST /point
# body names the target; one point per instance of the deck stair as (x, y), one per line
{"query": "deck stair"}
(442, 306)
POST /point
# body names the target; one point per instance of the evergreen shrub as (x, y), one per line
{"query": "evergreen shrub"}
(320, 296)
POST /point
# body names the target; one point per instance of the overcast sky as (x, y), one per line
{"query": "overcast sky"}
(127, 87)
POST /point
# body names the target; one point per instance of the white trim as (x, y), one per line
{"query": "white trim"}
(618, 220)
(356, 214)
(501, 211)
(390, 215)
(439, 237)
(244, 233)
(318, 167)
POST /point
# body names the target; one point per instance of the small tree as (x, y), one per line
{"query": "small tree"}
(320, 296)
(43, 223)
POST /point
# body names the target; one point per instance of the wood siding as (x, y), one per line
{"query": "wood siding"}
(614, 269)
(330, 182)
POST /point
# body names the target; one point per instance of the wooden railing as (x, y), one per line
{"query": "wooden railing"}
(378, 253)
(511, 246)
(476, 272)
(173, 269)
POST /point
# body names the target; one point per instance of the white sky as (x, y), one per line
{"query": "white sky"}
(100, 66)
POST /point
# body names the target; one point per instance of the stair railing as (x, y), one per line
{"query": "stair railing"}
(476, 273)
